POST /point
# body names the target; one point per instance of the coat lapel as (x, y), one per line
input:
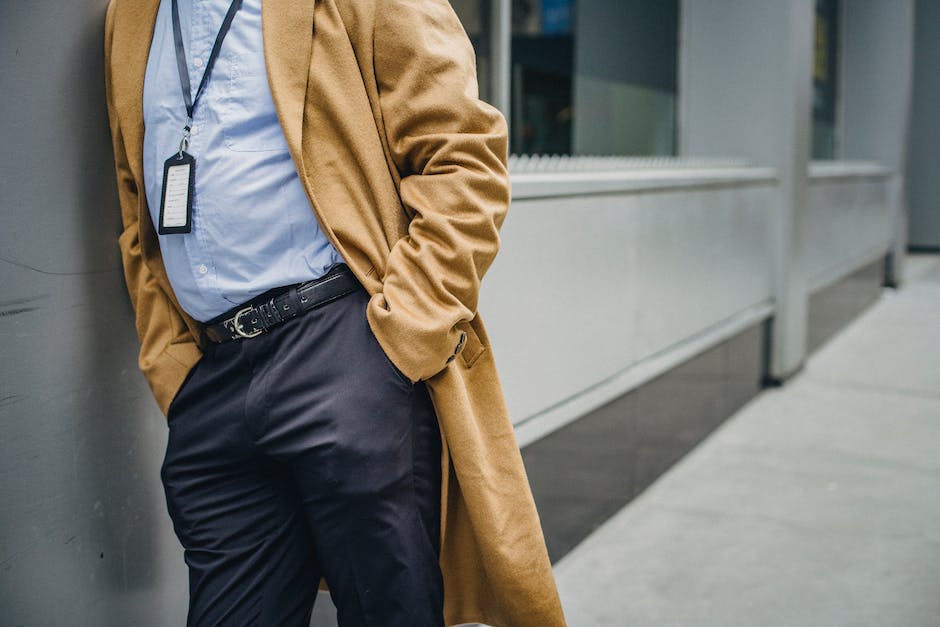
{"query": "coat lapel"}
(287, 29)
(134, 21)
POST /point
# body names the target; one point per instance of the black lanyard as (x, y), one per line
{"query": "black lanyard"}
(183, 68)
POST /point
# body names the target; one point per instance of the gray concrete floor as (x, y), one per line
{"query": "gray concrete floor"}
(818, 503)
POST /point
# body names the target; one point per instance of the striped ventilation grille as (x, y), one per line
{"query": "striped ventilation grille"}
(524, 164)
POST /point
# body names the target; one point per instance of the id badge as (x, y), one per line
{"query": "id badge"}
(176, 203)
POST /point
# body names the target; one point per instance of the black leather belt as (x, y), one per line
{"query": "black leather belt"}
(273, 308)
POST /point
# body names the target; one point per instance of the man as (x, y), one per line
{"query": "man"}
(311, 224)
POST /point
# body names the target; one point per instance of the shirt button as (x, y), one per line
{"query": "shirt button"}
(203, 269)
(197, 62)
(193, 129)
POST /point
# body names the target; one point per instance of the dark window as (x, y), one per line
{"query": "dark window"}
(594, 76)
(825, 58)
(475, 15)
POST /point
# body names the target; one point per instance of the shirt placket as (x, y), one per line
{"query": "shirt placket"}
(198, 48)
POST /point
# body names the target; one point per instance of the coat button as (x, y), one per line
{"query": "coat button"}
(463, 338)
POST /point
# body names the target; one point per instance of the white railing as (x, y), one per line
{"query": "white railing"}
(524, 164)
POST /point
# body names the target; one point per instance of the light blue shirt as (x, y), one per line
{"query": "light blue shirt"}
(253, 228)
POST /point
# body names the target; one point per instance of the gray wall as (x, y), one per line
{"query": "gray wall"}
(923, 182)
(876, 67)
(745, 77)
(745, 83)
(876, 80)
(84, 537)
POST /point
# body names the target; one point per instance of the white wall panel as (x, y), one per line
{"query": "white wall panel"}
(850, 221)
(586, 286)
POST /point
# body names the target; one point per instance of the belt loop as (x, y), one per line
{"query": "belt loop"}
(293, 301)
(272, 315)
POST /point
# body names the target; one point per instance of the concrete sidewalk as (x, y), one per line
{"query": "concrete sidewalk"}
(818, 503)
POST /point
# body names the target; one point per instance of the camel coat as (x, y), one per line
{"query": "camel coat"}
(405, 169)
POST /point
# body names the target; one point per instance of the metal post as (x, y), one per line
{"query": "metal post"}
(500, 43)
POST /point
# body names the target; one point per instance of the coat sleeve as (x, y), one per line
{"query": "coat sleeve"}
(167, 347)
(450, 151)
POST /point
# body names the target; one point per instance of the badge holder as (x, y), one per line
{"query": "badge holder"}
(179, 171)
(176, 202)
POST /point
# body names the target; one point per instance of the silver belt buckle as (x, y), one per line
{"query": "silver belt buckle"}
(238, 327)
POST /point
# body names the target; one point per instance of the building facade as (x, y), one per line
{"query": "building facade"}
(707, 189)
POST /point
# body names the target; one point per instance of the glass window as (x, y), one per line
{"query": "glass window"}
(542, 70)
(825, 52)
(594, 77)
(476, 16)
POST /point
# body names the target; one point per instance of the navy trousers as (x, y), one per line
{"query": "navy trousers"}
(300, 453)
